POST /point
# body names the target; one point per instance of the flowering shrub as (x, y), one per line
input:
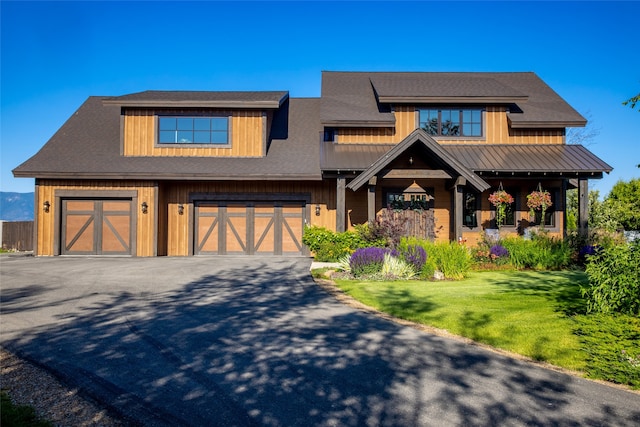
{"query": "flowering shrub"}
(498, 251)
(367, 261)
(414, 255)
(501, 200)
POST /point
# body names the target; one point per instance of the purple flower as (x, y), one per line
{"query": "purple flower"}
(498, 251)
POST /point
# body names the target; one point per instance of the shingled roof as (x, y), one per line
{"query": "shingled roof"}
(362, 98)
(156, 98)
(87, 146)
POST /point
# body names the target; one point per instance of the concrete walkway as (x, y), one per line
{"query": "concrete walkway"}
(238, 341)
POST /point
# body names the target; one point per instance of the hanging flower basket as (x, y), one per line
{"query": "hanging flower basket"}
(538, 200)
(501, 200)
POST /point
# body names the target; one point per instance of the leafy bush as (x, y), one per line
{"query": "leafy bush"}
(414, 255)
(498, 251)
(541, 252)
(396, 268)
(614, 280)
(367, 261)
(330, 246)
(452, 259)
(388, 227)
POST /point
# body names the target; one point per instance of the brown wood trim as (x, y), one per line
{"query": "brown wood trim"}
(250, 197)
(416, 174)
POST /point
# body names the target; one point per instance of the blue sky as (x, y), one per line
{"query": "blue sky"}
(56, 54)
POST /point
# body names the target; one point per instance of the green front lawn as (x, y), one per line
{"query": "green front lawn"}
(536, 314)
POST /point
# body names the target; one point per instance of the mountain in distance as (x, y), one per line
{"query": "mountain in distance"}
(16, 206)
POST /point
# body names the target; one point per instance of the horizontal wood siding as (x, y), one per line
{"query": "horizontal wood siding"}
(179, 229)
(246, 129)
(46, 221)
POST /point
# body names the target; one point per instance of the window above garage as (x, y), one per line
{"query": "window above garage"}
(193, 130)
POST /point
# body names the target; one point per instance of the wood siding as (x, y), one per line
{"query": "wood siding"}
(496, 131)
(179, 227)
(405, 124)
(247, 133)
(48, 223)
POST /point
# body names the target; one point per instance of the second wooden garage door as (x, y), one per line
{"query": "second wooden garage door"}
(249, 228)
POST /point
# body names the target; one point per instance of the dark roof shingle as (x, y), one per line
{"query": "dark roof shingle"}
(87, 146)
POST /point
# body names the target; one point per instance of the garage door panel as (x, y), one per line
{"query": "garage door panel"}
(79, 234)
(251, 228)
(236, 232)
(264, 234)
(207, 229)
(115, 234)
(96, 227)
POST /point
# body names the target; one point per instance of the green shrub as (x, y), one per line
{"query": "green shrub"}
(614, 280)
(396, 268)
(452, 259)
(19, 415)
(329, 246)
(611, 343)
(541, 252)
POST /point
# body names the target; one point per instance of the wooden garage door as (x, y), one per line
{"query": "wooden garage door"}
(249, 228)
(96, 227)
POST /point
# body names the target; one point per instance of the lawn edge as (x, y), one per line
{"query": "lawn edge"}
(332, 289)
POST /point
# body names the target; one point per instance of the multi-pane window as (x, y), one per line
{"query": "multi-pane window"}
(451, 121)
(193, 130)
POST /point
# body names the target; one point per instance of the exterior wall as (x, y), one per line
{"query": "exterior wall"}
(496, 131)
(356, 204)
(247, 130)
(519, 189)
(179, 228)
(48, 223)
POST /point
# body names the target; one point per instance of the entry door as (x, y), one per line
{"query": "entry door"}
(96, 227)
(249, 228)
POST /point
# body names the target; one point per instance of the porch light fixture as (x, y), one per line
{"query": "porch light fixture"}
(145, 207)
(180, 209)
(411, 161)
(317, 210)
(46, 206)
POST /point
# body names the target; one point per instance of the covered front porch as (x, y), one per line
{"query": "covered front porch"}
(452, 183)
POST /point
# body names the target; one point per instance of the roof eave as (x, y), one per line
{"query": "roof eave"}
(525, 124)
(453, 99)
(359, 123)
(257, 105)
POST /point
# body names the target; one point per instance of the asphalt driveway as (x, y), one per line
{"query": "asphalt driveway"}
(238, 341)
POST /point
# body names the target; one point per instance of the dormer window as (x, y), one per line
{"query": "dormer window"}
(193, 130)
(457, 122)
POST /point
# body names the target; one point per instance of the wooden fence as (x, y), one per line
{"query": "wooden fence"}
(17, 235)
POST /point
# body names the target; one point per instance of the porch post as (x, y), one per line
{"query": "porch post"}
(583, 207)
(458, 191)
(371, 199)
(340, 204)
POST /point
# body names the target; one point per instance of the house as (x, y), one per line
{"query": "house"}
(181, 173)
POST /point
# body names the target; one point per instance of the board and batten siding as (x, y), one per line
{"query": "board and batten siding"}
(496, 131)
(179, 227)
(247, 131)
(47, 223)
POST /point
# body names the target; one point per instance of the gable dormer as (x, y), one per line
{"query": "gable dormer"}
(454, 108)
(197, 124)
